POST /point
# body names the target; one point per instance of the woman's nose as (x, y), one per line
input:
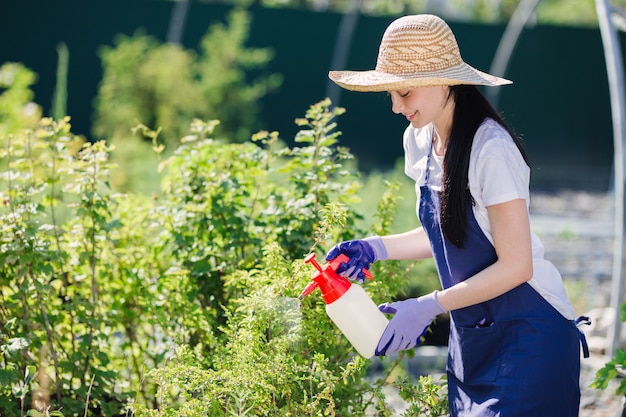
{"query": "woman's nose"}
(396, 104)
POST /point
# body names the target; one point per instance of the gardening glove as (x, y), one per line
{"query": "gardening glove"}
(361, 253)
(410, 321)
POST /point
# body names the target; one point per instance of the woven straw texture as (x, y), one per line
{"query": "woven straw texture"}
(416, 51)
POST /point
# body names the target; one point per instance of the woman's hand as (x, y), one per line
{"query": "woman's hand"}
(362, 254)
(410, 321)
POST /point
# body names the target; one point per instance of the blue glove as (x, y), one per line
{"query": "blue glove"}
(361, 253)
(410, 321)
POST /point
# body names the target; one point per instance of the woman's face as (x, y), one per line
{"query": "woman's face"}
(420, 105)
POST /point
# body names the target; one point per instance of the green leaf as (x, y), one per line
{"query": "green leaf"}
(29, 374)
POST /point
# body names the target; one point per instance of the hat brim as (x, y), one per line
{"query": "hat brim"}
(376, 81)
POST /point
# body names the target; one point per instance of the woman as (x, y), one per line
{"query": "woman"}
(514, 348)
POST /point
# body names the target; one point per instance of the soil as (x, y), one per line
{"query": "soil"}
(593, 402)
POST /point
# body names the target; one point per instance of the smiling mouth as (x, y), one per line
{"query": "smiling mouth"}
(410, 117)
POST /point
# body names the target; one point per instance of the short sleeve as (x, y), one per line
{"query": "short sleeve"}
(500, 173)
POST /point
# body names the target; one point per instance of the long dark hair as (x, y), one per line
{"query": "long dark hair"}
(470, 110)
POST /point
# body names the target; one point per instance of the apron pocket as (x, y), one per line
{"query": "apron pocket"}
(474, 353)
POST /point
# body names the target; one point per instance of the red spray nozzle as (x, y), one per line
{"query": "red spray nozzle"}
(331, 284)
(310, 258)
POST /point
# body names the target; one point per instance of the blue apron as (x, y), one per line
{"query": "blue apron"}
(514, 355)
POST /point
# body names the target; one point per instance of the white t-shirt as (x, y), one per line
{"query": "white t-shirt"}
(497, 173)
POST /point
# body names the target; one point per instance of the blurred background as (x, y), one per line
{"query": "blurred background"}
(559, 102)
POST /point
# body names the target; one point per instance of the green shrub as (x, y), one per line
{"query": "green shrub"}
(182, 303)
(164, 85)
(51, 274)
(17, 110)
(167, 86)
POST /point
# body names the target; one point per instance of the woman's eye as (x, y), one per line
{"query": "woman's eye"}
(401, 94)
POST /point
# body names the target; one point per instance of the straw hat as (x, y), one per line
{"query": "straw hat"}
(416, 51)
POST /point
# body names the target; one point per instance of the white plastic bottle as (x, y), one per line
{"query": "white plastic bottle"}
(348, 306)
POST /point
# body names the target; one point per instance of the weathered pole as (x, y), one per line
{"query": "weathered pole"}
(615, 74)
(511, 34)
(177, 22)
(347, 26)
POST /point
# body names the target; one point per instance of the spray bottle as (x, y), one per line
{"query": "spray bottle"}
(348, 305)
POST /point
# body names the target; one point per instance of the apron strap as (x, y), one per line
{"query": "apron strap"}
(583, 340)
